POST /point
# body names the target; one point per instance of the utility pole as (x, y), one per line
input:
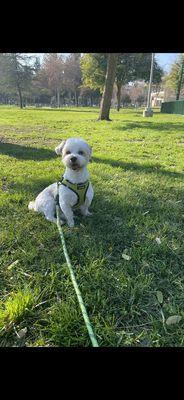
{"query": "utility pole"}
(148, 112)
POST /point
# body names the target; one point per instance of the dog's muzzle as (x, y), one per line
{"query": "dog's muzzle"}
(73, 163)
(73, 159)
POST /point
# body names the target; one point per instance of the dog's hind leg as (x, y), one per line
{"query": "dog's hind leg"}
(51, 219)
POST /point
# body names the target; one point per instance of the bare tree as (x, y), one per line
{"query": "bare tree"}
(73, 75)
(108, 88)
(53, 69)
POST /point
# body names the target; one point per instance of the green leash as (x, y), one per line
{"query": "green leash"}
(77, 290)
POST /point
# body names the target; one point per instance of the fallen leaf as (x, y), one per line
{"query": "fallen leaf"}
(22, 333)
(174, 319)
(25, 274)
(126, 257)
(158, 240)
(159, 296)
(12, 265)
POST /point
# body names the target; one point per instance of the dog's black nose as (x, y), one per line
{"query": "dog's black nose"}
(73, 159)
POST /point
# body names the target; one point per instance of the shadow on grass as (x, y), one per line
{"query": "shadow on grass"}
(66, 109)
(158, 126)
(115, 224)
(146, 168)
(26, 153)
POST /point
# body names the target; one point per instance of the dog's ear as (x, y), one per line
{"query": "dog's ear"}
(90, 154)
(59, 148)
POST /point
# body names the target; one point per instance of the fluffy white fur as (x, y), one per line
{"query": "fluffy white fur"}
(76, 154)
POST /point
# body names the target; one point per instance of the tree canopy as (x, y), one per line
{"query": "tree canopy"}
(75, 79)
(175, 79)
(130, 67)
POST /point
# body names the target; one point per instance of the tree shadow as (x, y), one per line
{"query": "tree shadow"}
(26, 153)
(146, 168)
(108, 211)
(102, 238)
(33, 186)
(159, 126)
(65, 109)
(114, 223)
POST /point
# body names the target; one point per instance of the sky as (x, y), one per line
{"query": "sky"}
(165, 60)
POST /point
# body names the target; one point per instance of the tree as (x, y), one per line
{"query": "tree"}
(108, 88)
(16, 73)
(175, 79)
(40, 90)
(53, 73)
(93, 68)
(73, 76)
(37, 64)
(124, 73)
(181, 80)
(88, 96)
(130, 67)
(126, 99)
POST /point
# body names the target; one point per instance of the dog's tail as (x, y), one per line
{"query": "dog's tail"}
(31, 205)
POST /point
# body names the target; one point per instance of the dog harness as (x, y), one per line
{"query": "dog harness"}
(80, 189)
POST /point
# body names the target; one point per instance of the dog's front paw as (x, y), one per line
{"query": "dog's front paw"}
(85, 212)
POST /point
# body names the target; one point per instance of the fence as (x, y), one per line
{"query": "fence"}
(173, 107)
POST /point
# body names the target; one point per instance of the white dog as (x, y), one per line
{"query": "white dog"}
(75, 190)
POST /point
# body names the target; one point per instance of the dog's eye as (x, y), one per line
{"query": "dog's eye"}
(68, 152)
(81, 153)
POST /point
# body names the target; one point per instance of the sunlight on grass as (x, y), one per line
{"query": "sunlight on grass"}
(130, 250)
(15, 307)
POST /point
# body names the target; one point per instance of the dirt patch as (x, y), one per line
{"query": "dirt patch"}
(5, 185)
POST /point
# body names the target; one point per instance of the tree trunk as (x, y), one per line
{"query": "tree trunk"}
(180, 81)
(58, 98)
(17, 80)
(119, 86)
(76, 98)
(108, 88)
(20, 97)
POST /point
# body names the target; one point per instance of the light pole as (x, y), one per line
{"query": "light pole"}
(148, 112)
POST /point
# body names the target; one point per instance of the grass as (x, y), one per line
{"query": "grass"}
(137, 174)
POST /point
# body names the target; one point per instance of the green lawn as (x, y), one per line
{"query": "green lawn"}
(137, 174)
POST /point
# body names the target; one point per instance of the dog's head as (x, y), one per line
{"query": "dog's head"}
(75, 152)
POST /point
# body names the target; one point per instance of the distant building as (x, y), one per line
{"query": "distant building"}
(139, 91)
(157, 98)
